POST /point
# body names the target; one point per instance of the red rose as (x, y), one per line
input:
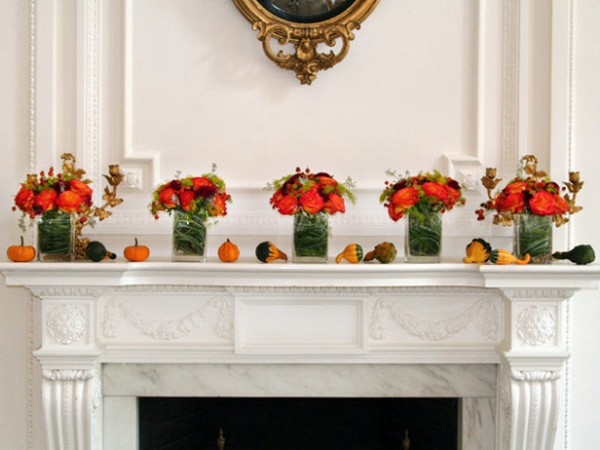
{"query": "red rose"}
(186, 200)
(81, 189)
(312, 202)
(46, 199)
(406, 197)
(168, 197)
(277, 196)
(516, 188)
(219, 206)
(334, 204)
(325, 180)
(24, 199)
(543, 203)
(69, 201)
(514, 203)
(287, 205)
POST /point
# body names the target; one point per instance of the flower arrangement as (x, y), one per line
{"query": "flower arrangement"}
(310, 193)
(531, 192)
(420, 194)
(55, 198)
(203, 196)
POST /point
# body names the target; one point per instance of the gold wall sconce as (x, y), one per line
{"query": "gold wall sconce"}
(306, 24)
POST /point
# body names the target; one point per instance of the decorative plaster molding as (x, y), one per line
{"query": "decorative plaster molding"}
(536, 326)
(67, 375)
(166, 289)
(536, 294)
(510, 88)
(66, 324)
(65, 291)
(133, 179)
(172, 329)
(484, 311)
(535, 375)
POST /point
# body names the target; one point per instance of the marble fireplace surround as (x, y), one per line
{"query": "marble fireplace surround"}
(494, 336)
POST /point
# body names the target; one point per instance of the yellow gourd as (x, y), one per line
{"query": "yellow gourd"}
(502, 257)
(478, 251)
(267, 252)
(353, 253)
(228, 252)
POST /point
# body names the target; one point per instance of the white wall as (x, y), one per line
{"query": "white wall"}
(203, 91)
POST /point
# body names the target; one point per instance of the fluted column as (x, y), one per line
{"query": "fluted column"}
(534, 356)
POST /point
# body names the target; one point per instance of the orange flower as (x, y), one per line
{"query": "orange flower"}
(81, 189)
(312, 202)
(334, 204)
(219, 206)
(514, 203)
(287, 205)
(46, 199)
(560, 204)
(405, 198)
(204, 187)
(395, 212)
(516, 188)
(433, 189)
(69, 201)
(543, 203)
(168, 197)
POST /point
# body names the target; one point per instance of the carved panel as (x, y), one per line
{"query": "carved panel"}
(483, 312)
(66, 324)
(536, 326)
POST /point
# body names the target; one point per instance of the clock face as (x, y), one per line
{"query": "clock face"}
(306, 11)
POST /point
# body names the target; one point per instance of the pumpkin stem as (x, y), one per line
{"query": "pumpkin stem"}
(136, 242)
(22, 241)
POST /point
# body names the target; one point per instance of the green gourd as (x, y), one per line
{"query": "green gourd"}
(96, 251)
(581, 254)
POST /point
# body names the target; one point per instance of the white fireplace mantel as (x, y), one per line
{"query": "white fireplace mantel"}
(167, 313)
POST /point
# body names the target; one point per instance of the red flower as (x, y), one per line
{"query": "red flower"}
(46, 199)
(560, 205)
(433, 189)
(312, 202)
(81, 189)
(543, 203)
(24, 199)
(186, 200)
(516, 188)
(514, 203)
(325, 179)
(219, 206)
(395, 212)
(405, 198)
(69, 201)
(452, 196)
(168, 197)
(334, 204)
(287, 205)
(204, 187)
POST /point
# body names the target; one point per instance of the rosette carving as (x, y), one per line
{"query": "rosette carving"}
(66, 324)
(536, 326)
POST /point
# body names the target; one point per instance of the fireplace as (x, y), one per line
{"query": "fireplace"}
(297, 423)
(493, 337)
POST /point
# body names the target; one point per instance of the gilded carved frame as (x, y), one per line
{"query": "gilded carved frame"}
(306, 60)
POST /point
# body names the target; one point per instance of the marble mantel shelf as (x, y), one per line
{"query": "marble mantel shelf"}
(562, 275)
(399, 315)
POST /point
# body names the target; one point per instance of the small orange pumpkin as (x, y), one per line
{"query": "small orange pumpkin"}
(228, 252)
(20, 253)
(136, 253)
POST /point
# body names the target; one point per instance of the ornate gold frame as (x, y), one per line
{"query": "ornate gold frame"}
(307, 60)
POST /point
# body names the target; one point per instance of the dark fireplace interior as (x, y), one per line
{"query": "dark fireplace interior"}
(298, 423)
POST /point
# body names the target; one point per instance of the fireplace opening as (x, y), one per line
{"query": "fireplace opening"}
(297, 423)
